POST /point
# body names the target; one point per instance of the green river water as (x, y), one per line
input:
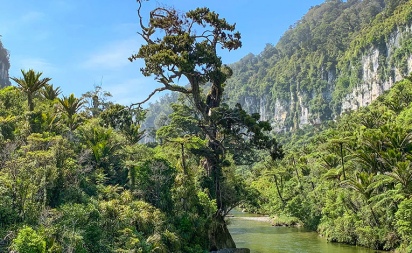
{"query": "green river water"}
(261, 237)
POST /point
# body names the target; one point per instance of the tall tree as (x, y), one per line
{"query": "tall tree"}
(96, 101)
(30, 84)
(185, 46)
(122, 119)
(70, 106)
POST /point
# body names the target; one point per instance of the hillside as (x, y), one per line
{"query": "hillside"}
(338, 57)
(351, 181)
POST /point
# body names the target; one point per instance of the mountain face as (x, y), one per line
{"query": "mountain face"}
(340, 56)
(4, 66)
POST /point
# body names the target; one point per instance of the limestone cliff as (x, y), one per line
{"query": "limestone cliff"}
(339, 57)
(4, 66)
(372, 84)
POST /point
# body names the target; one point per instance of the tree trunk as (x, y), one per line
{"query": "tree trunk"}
(219, 235)
(30, 101)
(278, 190)
(297, 173)
(342, 161)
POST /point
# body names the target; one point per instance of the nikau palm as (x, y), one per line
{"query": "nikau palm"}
(30, 84)
(50, 93)
(70, 106)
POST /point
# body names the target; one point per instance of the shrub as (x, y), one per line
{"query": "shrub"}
(28, 241)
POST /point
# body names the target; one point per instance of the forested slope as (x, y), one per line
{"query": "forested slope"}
(340, 56)
(351, 180)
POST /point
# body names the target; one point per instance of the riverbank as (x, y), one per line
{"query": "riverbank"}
(278, 220)
(262, 219)
(259, 235)
(285, 221)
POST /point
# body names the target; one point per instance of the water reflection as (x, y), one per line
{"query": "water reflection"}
(261, 237)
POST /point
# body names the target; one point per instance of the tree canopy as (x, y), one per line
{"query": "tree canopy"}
(185, 46)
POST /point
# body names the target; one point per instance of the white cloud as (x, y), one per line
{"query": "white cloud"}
(112, 56)
(37, 64)
(133, 90)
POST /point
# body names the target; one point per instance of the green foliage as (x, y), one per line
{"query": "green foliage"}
(185, 45)
(183, 122)
(30, 84)
(318, 61)
(7, 127)
(28, 241)
(96, 101)
(243, 132)
(153, 181)
(404, 224)
(94, 188)
(351, 180)
(11, 101)
(79, 175)
(49, 92)
(70, 106)
(124, 119)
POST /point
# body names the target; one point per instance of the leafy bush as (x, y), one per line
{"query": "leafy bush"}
(28, 241)
(404, 223)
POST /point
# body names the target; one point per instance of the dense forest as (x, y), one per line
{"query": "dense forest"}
(82, 174)
(74, 177)
(350, 180)
(335, 48)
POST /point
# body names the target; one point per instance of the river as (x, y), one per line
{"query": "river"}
(260, 237)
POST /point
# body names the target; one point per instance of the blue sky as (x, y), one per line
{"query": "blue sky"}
(82, 43)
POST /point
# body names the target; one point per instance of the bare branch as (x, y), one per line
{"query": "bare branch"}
(167, 86)
(189, 29)
(139, 104)
(146, 31)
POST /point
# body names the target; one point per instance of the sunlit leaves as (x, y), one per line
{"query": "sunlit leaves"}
(30, 84)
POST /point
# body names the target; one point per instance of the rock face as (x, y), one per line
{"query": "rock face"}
(240, 250)
(4, 66)
(378, 72)
(4, 72)
(372, 85)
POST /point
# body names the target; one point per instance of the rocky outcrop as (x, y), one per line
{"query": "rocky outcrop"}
(4, 71)
(275, 113)
(378, 71)
(4, 66)
(372, 84)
